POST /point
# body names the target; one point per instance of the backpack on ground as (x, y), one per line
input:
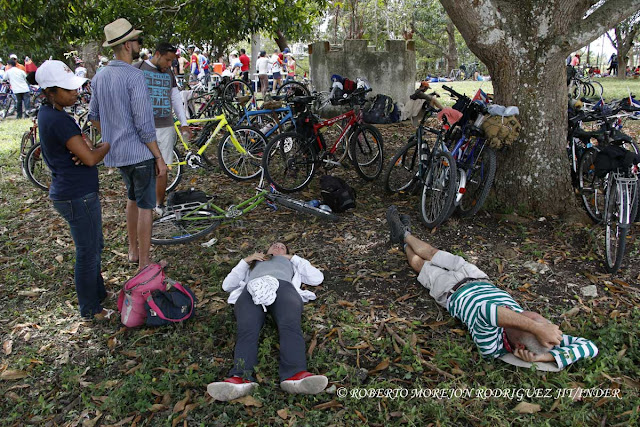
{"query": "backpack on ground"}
(135, 294)
(337, 194)
(380, 110)
(165, 307)
(186, 197)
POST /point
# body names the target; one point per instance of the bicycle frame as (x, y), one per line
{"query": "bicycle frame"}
(222, 123)
(253, 113)
(353, 119)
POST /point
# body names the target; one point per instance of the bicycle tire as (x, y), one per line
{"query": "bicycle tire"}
(300, 206)
(232, 91)
(599, 90)
(400, 173)
(7, 107)
(291, 89)
(367, 151)
(479, 181)
(289, 162)
(174, 171)
(36, 169)
(615, 235)
(242, 167)
(171, 229)
(591, 187)
(439, 189)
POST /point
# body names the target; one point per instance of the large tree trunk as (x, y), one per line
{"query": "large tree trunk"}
(524, 46)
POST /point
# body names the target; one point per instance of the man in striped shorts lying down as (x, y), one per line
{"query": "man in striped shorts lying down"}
(498, 325)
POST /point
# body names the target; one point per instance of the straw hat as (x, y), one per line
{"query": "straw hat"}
(119, 31)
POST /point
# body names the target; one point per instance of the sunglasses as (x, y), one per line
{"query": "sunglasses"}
(139, 40)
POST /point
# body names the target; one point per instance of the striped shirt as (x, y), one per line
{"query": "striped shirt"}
(476, 305)
(121, 103)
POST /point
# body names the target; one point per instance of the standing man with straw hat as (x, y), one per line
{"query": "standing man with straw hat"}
(121, 109)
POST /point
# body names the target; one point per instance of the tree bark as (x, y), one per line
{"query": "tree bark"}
(281, 40)
(524, 45)
(452, 52)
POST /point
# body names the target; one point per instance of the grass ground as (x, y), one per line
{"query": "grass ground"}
(371, 328)
(613, 88)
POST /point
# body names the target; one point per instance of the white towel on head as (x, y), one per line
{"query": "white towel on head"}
(263, 290)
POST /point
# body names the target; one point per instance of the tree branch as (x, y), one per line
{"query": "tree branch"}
(425, 39)
(602, 19)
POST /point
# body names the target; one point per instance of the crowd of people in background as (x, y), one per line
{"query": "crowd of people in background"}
(575, 60)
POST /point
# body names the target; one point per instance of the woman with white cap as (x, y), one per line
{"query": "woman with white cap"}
(74, 188)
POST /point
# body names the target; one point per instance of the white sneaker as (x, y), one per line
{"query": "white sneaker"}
(160, 210)
(230, 389)
(305, 383)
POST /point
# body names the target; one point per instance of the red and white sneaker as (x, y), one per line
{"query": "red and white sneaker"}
(231, 388)
(304, 383)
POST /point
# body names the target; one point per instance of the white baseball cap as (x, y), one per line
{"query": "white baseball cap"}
(54, 73)
(13, 56)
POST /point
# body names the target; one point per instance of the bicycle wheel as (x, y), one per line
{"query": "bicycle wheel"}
(182, 227)
(365, 145)
(291, 89)
(239, 166)
(300, 206)
(174, 171)
(615, 233)
(36, 169)
(481, 171)
(233, 98)
(289, 162)
(598, 89)
(402, 169)
(439, 189)
(590, 186)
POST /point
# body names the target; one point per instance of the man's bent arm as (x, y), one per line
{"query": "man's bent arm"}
(547, 333)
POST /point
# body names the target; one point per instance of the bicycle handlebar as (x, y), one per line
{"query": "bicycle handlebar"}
(453, 92)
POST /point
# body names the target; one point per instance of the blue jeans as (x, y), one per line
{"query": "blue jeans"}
(84, 217)
(140, 179)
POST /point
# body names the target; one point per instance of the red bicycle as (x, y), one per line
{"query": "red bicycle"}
(291, 158)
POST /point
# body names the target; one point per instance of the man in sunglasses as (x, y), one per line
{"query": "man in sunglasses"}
(498, 325)
(121, 109)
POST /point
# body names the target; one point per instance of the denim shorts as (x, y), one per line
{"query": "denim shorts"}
(140, 180)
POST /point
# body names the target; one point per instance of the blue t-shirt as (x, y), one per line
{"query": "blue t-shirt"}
(68, 180)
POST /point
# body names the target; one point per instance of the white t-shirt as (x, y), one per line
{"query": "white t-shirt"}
(262, 65)
(81, 72)
(275, 64)
(18, 80)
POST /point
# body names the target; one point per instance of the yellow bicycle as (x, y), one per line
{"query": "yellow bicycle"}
(239, 149)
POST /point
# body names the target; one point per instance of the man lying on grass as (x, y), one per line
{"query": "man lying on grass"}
(498, 325)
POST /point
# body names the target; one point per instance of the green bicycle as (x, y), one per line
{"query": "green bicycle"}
(190, 221)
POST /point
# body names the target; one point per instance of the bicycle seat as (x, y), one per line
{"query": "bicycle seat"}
(279, 97)
(243, 99)
(581, 133)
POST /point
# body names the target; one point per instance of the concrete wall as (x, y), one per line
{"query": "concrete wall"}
(391, 71)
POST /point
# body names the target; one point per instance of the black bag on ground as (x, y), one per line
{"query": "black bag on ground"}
(614, 157)
(187, 196)
(380, 111)
(337, 194)
(175, 305)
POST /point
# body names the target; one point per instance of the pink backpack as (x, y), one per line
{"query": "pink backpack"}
(135, 292)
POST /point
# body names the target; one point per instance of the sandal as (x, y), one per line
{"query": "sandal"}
(104, 316)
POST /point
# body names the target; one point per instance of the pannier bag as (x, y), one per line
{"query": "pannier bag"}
(612, 158)
(175, 305)
(337, 194)
(501, 131)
